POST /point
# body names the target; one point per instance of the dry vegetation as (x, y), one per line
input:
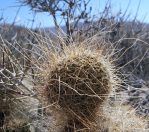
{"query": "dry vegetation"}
(79, 81)
(74, 82)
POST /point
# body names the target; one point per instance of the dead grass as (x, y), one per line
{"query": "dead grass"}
(78, 81)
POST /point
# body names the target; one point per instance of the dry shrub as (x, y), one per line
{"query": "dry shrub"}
(11, 89)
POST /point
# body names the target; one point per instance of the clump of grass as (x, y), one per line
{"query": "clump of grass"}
(78, 81)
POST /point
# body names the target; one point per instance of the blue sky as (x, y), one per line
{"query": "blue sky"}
(9, 8)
